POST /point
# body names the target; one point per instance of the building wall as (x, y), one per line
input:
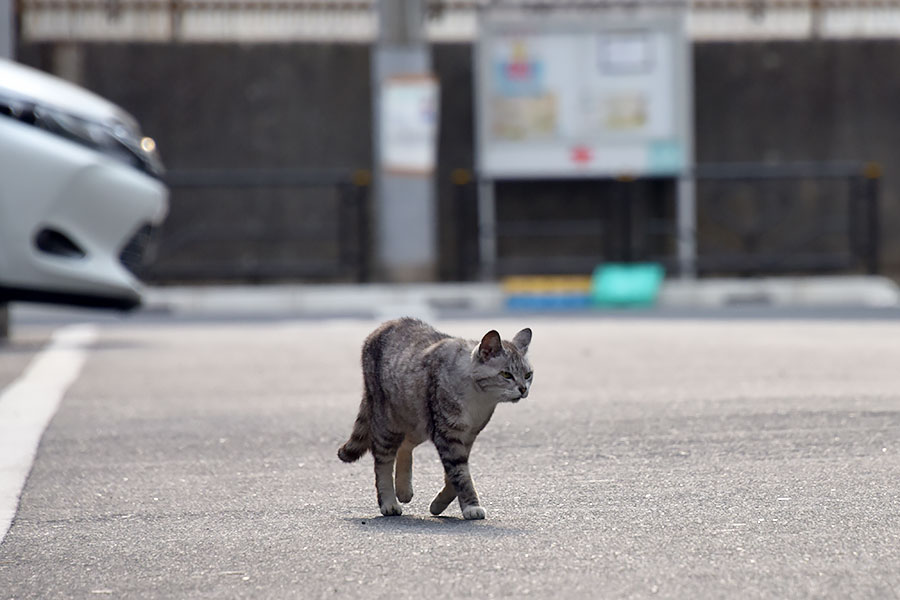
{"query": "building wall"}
(308, 105)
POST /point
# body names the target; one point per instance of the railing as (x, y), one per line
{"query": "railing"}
(815, 217)
(292, 224)
(264, 225)
(753, 219)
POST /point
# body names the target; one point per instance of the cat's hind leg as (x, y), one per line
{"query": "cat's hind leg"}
(404, 471)
(443, 498)
(384, 450)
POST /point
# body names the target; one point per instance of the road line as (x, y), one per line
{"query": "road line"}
(28, 404)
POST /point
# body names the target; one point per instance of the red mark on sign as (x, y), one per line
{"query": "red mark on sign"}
(582, 155)
(518, 70)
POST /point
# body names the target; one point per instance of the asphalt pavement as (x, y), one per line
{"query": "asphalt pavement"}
(655, 457)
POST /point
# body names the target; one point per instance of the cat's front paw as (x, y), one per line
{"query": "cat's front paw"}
(391, 510)
(473, 512)
(404, 494)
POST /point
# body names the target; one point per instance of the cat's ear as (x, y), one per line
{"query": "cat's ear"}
(490, 346)
(522, 339)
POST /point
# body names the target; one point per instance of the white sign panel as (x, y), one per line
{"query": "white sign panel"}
(587, 97)
(409, 117)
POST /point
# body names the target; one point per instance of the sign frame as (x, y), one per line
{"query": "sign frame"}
(602, 153)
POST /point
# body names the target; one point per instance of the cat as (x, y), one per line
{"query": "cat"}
(422, 384)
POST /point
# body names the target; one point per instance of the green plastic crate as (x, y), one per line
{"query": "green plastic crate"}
(632, 284)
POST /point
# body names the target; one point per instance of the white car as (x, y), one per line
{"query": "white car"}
(80, 193)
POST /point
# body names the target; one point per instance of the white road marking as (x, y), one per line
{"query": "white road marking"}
(28, 404)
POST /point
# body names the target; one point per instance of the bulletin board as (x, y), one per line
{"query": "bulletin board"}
(582, 96)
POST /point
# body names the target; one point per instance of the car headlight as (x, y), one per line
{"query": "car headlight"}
(113, 138)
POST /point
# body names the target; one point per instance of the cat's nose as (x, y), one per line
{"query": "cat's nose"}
(523, 390)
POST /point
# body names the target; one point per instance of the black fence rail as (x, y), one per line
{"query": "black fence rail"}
(752, 219)
(255, 225)
(264, 225)
(807, 217)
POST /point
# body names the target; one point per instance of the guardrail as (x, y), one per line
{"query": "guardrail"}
(849, 220)
(753, 219)
(264, 224)
(289, 224)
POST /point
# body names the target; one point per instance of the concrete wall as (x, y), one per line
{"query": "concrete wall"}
(308, 105)
(805, 101)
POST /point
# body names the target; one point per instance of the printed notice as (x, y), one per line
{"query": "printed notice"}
(409, 118)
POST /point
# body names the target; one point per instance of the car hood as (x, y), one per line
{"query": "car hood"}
(31, 84)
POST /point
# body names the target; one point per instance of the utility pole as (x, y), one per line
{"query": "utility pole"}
(405, 216)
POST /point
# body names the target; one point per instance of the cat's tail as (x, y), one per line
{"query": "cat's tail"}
(361, 439)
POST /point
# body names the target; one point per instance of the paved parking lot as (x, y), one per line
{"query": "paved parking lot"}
(653, 458)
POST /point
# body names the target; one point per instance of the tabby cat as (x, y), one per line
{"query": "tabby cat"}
(421, 384)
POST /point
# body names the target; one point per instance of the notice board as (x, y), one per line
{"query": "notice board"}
(593, 95)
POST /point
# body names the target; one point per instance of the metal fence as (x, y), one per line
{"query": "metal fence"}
(264, 225)
(753, 219)
(789, 218)
(257, 225)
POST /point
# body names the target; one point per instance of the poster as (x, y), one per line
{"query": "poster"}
(409, 121)
(523, 107)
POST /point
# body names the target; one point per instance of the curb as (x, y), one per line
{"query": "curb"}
(837, 291)
(382, 301)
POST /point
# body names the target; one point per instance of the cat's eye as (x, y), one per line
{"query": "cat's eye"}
(506, 375)
(529, 374)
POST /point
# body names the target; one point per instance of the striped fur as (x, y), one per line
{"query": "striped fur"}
(421, 385)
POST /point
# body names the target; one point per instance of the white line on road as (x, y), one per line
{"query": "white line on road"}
(28, 404)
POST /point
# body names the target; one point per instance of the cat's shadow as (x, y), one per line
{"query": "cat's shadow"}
(430, 525)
